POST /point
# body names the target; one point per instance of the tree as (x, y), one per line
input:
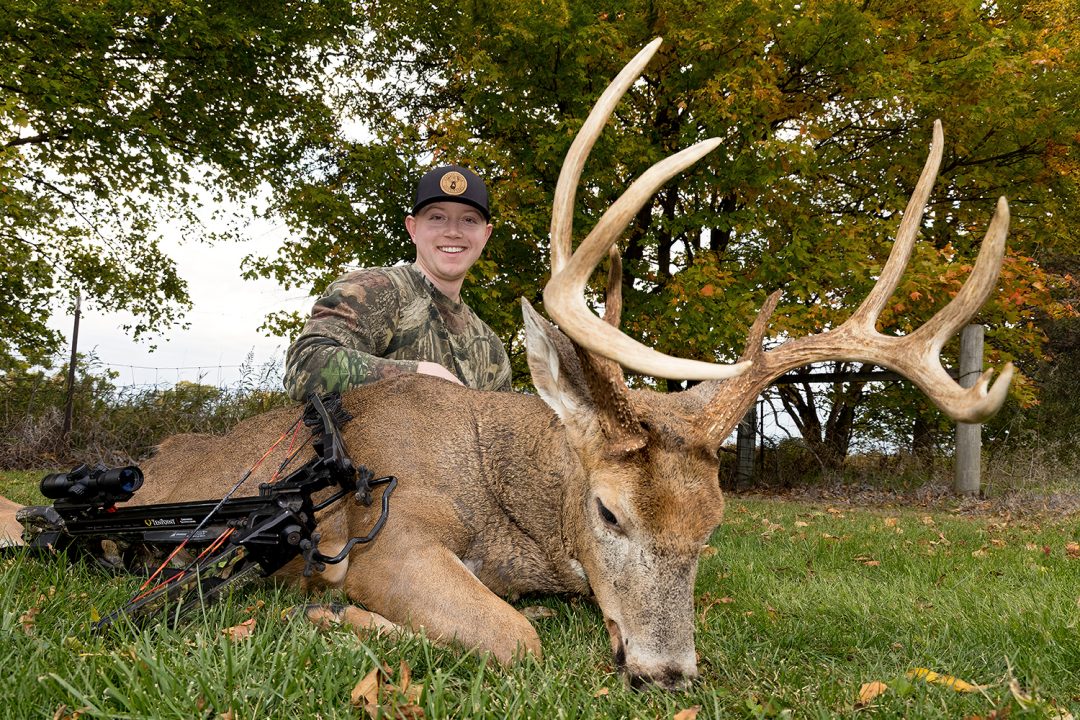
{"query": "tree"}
(825, 110)
(118, 117)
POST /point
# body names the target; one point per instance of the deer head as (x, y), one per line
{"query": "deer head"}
(649, 498)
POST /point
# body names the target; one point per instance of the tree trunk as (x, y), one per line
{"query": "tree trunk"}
(830, 442)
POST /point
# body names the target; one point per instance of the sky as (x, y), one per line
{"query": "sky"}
(224, 319)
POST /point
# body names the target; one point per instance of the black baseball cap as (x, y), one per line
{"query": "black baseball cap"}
(452, 183)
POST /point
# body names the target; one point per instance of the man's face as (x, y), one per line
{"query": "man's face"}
(449, 238)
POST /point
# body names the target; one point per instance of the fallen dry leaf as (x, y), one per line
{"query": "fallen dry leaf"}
(538, 612)
(600, 693)
(29, 619)
(380, 698)
(801, 524)
(927, 520)
(366, 692)
(891, 522)
(770, 527)
(1072, 550)
(62, 713)
(869, 691)
(708, 602)
(241, 631)
(406, 712)
(688, 714)
(707, 551)
(1021, 697)
(948, 681)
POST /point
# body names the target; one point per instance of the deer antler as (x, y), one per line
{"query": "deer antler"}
(564, 294)
(916, 356)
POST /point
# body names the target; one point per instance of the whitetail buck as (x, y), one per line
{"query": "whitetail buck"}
(595, 489)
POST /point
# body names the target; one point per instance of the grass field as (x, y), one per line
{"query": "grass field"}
(801, 609)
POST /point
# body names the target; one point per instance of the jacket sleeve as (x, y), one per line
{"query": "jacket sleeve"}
(341, 345)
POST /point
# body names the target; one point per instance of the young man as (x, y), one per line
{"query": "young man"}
(379, 322)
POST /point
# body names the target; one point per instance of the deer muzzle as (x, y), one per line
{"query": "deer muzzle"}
(641, 666)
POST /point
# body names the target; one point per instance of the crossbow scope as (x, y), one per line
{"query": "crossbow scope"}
(98, 484)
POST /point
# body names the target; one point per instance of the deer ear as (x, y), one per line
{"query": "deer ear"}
(553, 363)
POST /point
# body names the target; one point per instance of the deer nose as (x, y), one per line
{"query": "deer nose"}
(670, 677)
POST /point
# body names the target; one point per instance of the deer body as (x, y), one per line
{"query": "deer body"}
(495, 500)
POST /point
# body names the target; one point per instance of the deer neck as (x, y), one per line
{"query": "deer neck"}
(538, 489)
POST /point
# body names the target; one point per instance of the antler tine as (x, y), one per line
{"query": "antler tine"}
(564, 294)
(916, 356)
(867, 313)
(613, 294)
(562, 208)
(980, 401)
(977, 288)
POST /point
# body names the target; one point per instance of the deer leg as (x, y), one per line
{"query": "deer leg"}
(431, 590)
(325, 616)
(10, 528)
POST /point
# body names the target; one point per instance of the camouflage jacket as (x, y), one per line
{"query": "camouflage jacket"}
(376, 323)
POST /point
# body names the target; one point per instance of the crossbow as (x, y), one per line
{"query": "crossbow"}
(218, 544)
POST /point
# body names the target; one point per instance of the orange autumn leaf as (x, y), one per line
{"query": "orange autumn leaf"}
(241, 631)
(869, 691)
(688, 714)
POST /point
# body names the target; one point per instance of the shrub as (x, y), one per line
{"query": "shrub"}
(112, 425)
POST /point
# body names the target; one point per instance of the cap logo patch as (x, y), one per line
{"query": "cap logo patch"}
(453, 183)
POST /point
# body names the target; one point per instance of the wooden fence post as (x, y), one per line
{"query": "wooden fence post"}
(969, 436)
(744, 445)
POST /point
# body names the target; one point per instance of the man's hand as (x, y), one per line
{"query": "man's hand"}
(430, 368)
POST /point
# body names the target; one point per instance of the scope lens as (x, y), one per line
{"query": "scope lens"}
(131, 479)
(125, 480)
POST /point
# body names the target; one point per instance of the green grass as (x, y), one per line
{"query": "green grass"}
(798, 606)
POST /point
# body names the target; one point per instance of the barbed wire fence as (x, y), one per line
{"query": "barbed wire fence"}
(130, 378)
(121, 410)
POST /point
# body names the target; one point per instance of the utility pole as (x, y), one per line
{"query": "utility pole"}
(70, 404)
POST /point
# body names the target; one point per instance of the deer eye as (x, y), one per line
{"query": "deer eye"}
(607, 515)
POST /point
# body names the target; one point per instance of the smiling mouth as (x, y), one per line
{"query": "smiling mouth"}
(452, 249)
